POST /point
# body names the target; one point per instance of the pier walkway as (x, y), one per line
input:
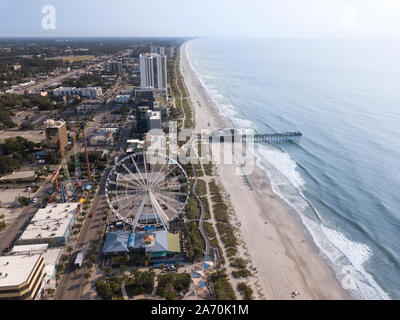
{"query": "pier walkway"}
(231, 135)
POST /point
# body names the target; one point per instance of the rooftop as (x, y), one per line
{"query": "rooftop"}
(50, 123)
(122, 241)
(30, 248)
(116, 241)
(15, 270)
(28, 174)
(155, 115)
(51, 257)
(51, 222)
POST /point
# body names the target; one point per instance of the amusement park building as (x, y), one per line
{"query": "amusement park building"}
(159, 243)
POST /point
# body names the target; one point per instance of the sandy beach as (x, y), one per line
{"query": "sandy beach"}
(277, 243)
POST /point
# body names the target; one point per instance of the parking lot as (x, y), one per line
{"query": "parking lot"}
(9, 205)
(32, 135)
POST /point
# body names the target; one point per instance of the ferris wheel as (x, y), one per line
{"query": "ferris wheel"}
(147, 190)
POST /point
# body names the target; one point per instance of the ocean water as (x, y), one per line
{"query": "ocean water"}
(343, 178)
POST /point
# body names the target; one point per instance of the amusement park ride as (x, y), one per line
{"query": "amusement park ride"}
(147, 191)
(143, 190)
(77, 183)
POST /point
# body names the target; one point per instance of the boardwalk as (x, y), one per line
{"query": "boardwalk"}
(203, 212)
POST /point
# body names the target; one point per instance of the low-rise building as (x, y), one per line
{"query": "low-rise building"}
(160, 244)
(122, 98)
(40, 156)
(19, 176)
(156, 106)
(88, 92)
(51, 225)
(51, 259)
(134, 145)
(153, 120)
(66, 70)
(87, 108)
(23, 85)
(21, 276)
(102, 138)
(37, 93)
(114, 130)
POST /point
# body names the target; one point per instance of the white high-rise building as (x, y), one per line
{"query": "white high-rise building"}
(159, 50)
(166, 51)
(153, 71)
(169, 52)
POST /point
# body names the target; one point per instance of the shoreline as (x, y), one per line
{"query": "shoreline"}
(267, 224)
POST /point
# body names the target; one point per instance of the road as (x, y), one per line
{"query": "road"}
(72, 282)
(70, 74)
(8, 236)
(58, 78)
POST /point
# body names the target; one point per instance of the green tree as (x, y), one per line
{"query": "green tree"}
(108, 271)
(51, 157)
(92, 257)
(123, 268)
(23, 201)
(60, 267)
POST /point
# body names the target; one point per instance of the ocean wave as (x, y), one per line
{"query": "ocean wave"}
(346, 257)
(282, 161)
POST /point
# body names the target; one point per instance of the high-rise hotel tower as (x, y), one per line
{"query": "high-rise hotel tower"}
(153, 71)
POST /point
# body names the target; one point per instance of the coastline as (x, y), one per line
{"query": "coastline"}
(278, 245)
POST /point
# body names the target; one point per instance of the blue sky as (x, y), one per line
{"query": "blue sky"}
(259, 18)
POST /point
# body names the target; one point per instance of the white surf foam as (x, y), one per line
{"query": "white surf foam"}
(346, 257)
(283, 163)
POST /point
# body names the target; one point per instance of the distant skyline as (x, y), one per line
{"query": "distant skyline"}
(188, 18)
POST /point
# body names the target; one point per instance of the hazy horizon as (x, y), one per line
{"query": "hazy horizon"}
(224, 18)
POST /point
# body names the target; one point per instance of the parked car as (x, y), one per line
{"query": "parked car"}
(34, 200)
(171, 268)
(91, 215)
